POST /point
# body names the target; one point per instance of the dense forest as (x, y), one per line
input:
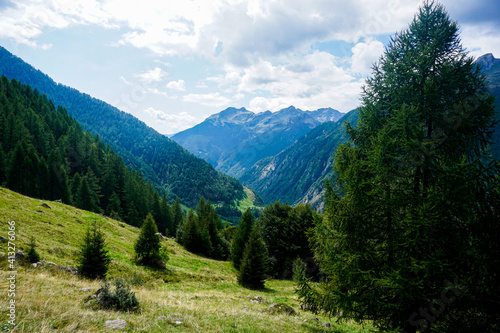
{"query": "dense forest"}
(45, 153)
(163, 162)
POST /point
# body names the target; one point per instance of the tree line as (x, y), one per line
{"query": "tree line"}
(46, 154)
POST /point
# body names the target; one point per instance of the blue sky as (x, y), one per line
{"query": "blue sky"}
(173, 63)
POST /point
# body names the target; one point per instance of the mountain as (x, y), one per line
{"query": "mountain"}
(296, 174)
(234, 139)
(491, 67)
(45, 153)
(162, 161)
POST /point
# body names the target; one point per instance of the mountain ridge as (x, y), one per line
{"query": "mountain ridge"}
(162, 161)
(235, 138)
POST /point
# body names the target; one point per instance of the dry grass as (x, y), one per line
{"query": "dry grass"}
(201, 291)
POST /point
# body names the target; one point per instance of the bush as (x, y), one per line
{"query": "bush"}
(119, 299)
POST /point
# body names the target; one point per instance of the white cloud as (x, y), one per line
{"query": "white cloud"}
(155, 75)
(179, 85)
(210, 99)
(364, 55)
(311, 82)
(176, 122)
(25, 21)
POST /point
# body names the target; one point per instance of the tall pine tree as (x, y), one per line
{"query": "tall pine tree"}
(254, 265)
(414, 192)
(240, 239)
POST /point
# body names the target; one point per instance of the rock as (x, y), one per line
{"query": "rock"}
(59, 224)
(159, 235)
(327, 325)
(3, 240)
(118, 324)
(172, 320)
(280, 308)
(2, 254)
(85, 289)
(59, 200)
(20, 255)
(44, 205)
(160, 264)
(34, 264)
(257, 299)
(311, 319)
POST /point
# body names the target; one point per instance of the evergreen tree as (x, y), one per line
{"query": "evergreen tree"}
(176, 216)
(188, 234)
(114, 209)
(3, 174)
(32, 255)
(168, 220)
(241, 237)
(254, 264)
(93, 261)
(408, 210)
(147, 246)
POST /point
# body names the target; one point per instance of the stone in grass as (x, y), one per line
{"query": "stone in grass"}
(118, 324)
(172, 320)
(280, 308)
(44, 205)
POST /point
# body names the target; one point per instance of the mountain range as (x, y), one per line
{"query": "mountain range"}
(284, 156)
(235, 139)
(163, 162)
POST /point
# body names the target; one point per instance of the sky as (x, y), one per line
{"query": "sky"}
(174, 63)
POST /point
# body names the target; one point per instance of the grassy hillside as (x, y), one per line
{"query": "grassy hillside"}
(201, 291)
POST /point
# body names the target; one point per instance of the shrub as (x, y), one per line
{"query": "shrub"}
(119, 299)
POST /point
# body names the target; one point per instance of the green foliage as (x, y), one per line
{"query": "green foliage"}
(147, 247)
(93, 260)
(155, 156)
(241, 237)
(200, 232)
(177, 217)
(298, 171)
(285, 230)
(414, 190)
(254, 265)
(119, 299)
(32, 255)
(44, 153)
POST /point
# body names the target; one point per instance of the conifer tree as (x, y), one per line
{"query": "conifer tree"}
(241, 237)
(188, 235)
(93, 261)
(409, 207)
(255, 261)
(176, 216)
(147, 246)
(32, 255)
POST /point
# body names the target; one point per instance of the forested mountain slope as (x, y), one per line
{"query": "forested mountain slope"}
(163, 162)
(45, 153)
(297, 173)
(234, 139)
